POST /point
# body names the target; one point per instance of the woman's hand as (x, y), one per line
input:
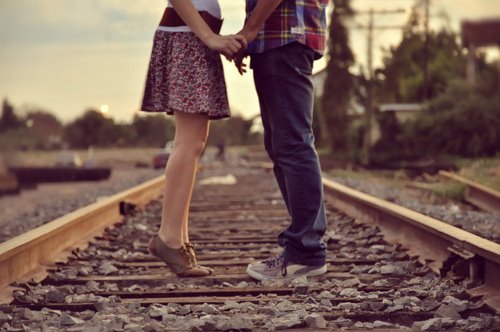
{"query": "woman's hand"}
(229, 45)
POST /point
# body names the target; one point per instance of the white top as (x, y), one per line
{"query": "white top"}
(210, 6)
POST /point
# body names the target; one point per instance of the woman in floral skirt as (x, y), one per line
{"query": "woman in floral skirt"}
(185, 79)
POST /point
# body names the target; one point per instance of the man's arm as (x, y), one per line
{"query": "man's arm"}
(260, 14)
(253, 24)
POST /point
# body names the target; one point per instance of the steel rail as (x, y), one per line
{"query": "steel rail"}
(432, 240)
(481, 196)
(22, 256)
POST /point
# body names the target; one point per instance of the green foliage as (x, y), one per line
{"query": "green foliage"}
(232, 131)
(20, 138)
(339, 82)
(460, 122)
(403, 78)
(485, 171)
(44, 123)
(45, 128)
(14, 135)
(9, 119)
(451, 189)
(319, 125)
(153, 130)
(40, 130)
(92, 129)
(390, 146)
(356, 136)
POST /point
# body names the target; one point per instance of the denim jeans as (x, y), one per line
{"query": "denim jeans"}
(283, 81)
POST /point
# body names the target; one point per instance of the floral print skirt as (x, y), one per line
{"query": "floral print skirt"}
(185, 76)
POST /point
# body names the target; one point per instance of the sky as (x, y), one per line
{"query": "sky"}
(66, 56)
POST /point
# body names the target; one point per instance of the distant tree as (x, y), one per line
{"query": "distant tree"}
(339, 82)
(91, 129)
(37, 129)
(123, 134)
(44, 124)
(459, 121)
(319, 126)
(233, 131)
(402, 74)
(153, 130)
(9, 119)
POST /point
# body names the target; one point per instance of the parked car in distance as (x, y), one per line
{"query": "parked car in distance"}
(160, 158)
(69, 159)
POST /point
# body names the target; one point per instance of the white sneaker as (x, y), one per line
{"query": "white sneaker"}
(275, 268)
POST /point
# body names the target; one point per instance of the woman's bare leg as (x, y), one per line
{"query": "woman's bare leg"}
(191, 131)
(185, 222)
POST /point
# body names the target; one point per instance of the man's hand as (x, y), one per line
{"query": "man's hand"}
(249, 35)
(253, 24)
(239, 62)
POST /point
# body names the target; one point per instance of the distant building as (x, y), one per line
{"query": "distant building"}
(403, 112)
(475, 34)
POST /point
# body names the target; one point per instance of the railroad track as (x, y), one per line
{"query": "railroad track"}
(379, 274)
(477, 194)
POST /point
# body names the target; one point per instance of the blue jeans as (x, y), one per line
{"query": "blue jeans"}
(283, 82)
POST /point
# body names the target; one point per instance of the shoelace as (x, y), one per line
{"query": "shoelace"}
(276, 261)
(185, 249)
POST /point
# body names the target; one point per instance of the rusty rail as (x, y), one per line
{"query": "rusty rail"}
(432, 240)
(236, 227)
(481, 196)
(43, 245)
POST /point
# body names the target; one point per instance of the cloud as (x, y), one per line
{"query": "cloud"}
(54, 21)
(32, 21)
(69, 54)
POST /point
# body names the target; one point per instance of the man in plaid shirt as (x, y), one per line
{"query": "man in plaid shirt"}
(285, 37)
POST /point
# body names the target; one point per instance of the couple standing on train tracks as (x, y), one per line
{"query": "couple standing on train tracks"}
(185, 79)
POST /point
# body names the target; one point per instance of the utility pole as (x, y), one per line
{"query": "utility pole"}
(367, 142)
(369, 118)
(426, 52)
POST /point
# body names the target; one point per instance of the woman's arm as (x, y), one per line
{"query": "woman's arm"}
(227, 45)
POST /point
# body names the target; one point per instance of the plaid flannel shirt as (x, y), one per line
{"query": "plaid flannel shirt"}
(303, 21)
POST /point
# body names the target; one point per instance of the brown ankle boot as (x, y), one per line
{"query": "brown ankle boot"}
(178, 260)
(190, 248)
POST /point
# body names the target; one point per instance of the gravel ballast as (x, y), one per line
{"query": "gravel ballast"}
(481, 223)
(35, 207)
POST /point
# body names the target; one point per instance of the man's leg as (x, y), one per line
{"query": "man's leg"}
(282, 78)
(278, 172)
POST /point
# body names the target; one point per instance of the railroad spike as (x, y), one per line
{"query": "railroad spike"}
(127, 209)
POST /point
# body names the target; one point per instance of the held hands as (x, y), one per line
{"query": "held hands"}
(229, 45)
(238, 62)
(233, 47)
(249, 35)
